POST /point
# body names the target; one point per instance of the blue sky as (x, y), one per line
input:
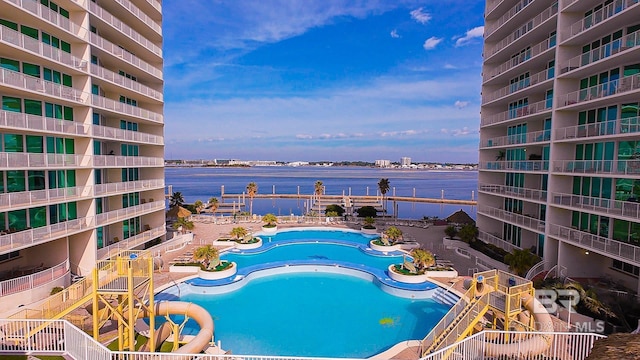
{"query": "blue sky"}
(323, 80)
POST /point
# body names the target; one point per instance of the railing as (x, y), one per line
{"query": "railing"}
(46, 13)
(28, 43)
(597, 243)
(140, 15)
(599, 16)
(40, 197)
(117, 51)
(625, 84)
(495, 240)
(22, 121)
(127, 186)
(513, 191)
(530, 25)
(613, 127)
(518, 219)
(539, 107)
(516, 165)
(489, 29)
(28, 282)
(528, 138)
(109, 75)
(27, 82)
(126, 213)
(46, 233)
(33, 160)
(125, 135)
(126, 244)
(117, 106)
(614, 167)
(124, 28)
(535, 270)
(607, 206)
(513, 62)
(543, 75)
(629, 41)
(462, 325)
(126, 161)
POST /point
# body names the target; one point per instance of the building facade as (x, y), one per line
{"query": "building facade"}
(383, 163)
(559, 168)
(81, 130)
(405, 161)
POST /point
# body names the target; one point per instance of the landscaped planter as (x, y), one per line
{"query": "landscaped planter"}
(217, 275)
(408, 279)
(384, 248)
(369, 231)
(184, 269)
(249, 246)
(270, 230)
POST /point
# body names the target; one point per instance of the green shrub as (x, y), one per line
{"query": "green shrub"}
(56, 290)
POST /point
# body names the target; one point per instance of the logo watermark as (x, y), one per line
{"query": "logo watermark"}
(549, 299)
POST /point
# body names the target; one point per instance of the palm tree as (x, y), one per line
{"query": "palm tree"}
(422, 258)
(468, 233)
(213, 204)
(252, 190)
(184, 224)
(590, 301)
(318, 189)
(520, 261)
(451, 231)
(198, 205)
(270, 220)
(383, 185)
(208, 255)
(393, 233)
(369, 222)
(176, 199)
(239, 232)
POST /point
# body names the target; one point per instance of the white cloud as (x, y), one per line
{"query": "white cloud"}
(420, 16)
(444, 131)
(394, 34)
(431, 43)
(476, 32)
(304, 137)
(459, 132)
(450, 66)
(461, 104)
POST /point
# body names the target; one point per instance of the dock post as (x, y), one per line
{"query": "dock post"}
(273, 189)
(472, 195)
(222, 192)
(298, 190)
(414, 192)
(367, 191)
(442, 194)
(349, 190)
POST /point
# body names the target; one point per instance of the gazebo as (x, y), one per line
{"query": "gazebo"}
(178, 212)
(460, 217)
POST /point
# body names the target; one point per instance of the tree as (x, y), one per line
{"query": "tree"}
(468, 233)
(520, 261)
(393, 233)
(367, 211)
(369, 222)
(500, 156)
(184, 224)
(334, 208)
(383, 186)
(176, 199)
(213, 204)
(208, 255)
(239, 232)
(252, 190)
(422, 258)
(270, 220)
(451, 231)
(318, 189)
(198, 205)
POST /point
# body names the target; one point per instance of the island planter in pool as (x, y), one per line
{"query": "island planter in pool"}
(406, 278)
(369, 230)
(377, 246)
(269, 230)
(226, 272)
(249, 245)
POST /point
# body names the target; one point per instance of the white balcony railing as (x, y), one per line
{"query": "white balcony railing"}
(596, 243)
(128, 186)
(110, 76)
(27, 82)
(126, 161)
(22, 121)
(140, 15)
(613, 167)
(614, 127)
(599, 16)
(129, 243)
(534, 51)
(32, 161)
(606, 206)
(497, 241)
(512, 191)
(539, 107)
(119, 52)
(516, 165)
(528, 138)
(28, 43)
(41, 197)
(126, 213)
(489, 29)
(619, 45)
(54, 17)
(34, 279)
(43, 234)
(618, 86)
(543, 75)
(123, 108)
(124, 28)
(514, 218)
(530, 25)
(111, 133)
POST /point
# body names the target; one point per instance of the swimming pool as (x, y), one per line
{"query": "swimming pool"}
(296, 296)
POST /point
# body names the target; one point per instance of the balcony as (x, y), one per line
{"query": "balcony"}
(35, 278)
(112, 133)
(125, 29)
(528, 222)
(540, 107)
(598, 244)
(606, 167)
(605, 206)
(617, 46)
(532, 24)
(497, 241)
(488, 30)
(30, 44)
(31, 83)
(528, 138)
(118, 52)
(537, 78)
(514, 192)
(613, 87)
(621, 127)
(103, 161)
(597, 17)
(118, 79)
(516, 165)
(122, 108)
(34, 161)
(22, 121)
(30, 237)
(127, 186)
(514, 62)
(129, 243)
(47, 14)
(141, 15)
(127, 213)
(9, 201)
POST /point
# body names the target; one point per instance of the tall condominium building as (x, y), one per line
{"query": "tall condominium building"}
(560, 136)
(81, 138)
(405, 161)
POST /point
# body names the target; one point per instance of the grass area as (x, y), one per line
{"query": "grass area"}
(167, 346)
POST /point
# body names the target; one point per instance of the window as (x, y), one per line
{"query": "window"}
(624, 267)
(34, 144)
(36, 180)
(128, 101)
(13, 143)
(10, 64)
(33, 107)
(29, 31)
(11, 104)
(15, 181)
(9, 24)
(38, 217)
(31, 69)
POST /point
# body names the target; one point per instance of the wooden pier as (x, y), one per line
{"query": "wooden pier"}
(355, 199)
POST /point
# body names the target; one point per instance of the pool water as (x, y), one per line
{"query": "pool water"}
(315, 234)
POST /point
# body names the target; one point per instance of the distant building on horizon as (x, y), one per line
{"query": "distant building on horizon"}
(383, 163)
(405, 161)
